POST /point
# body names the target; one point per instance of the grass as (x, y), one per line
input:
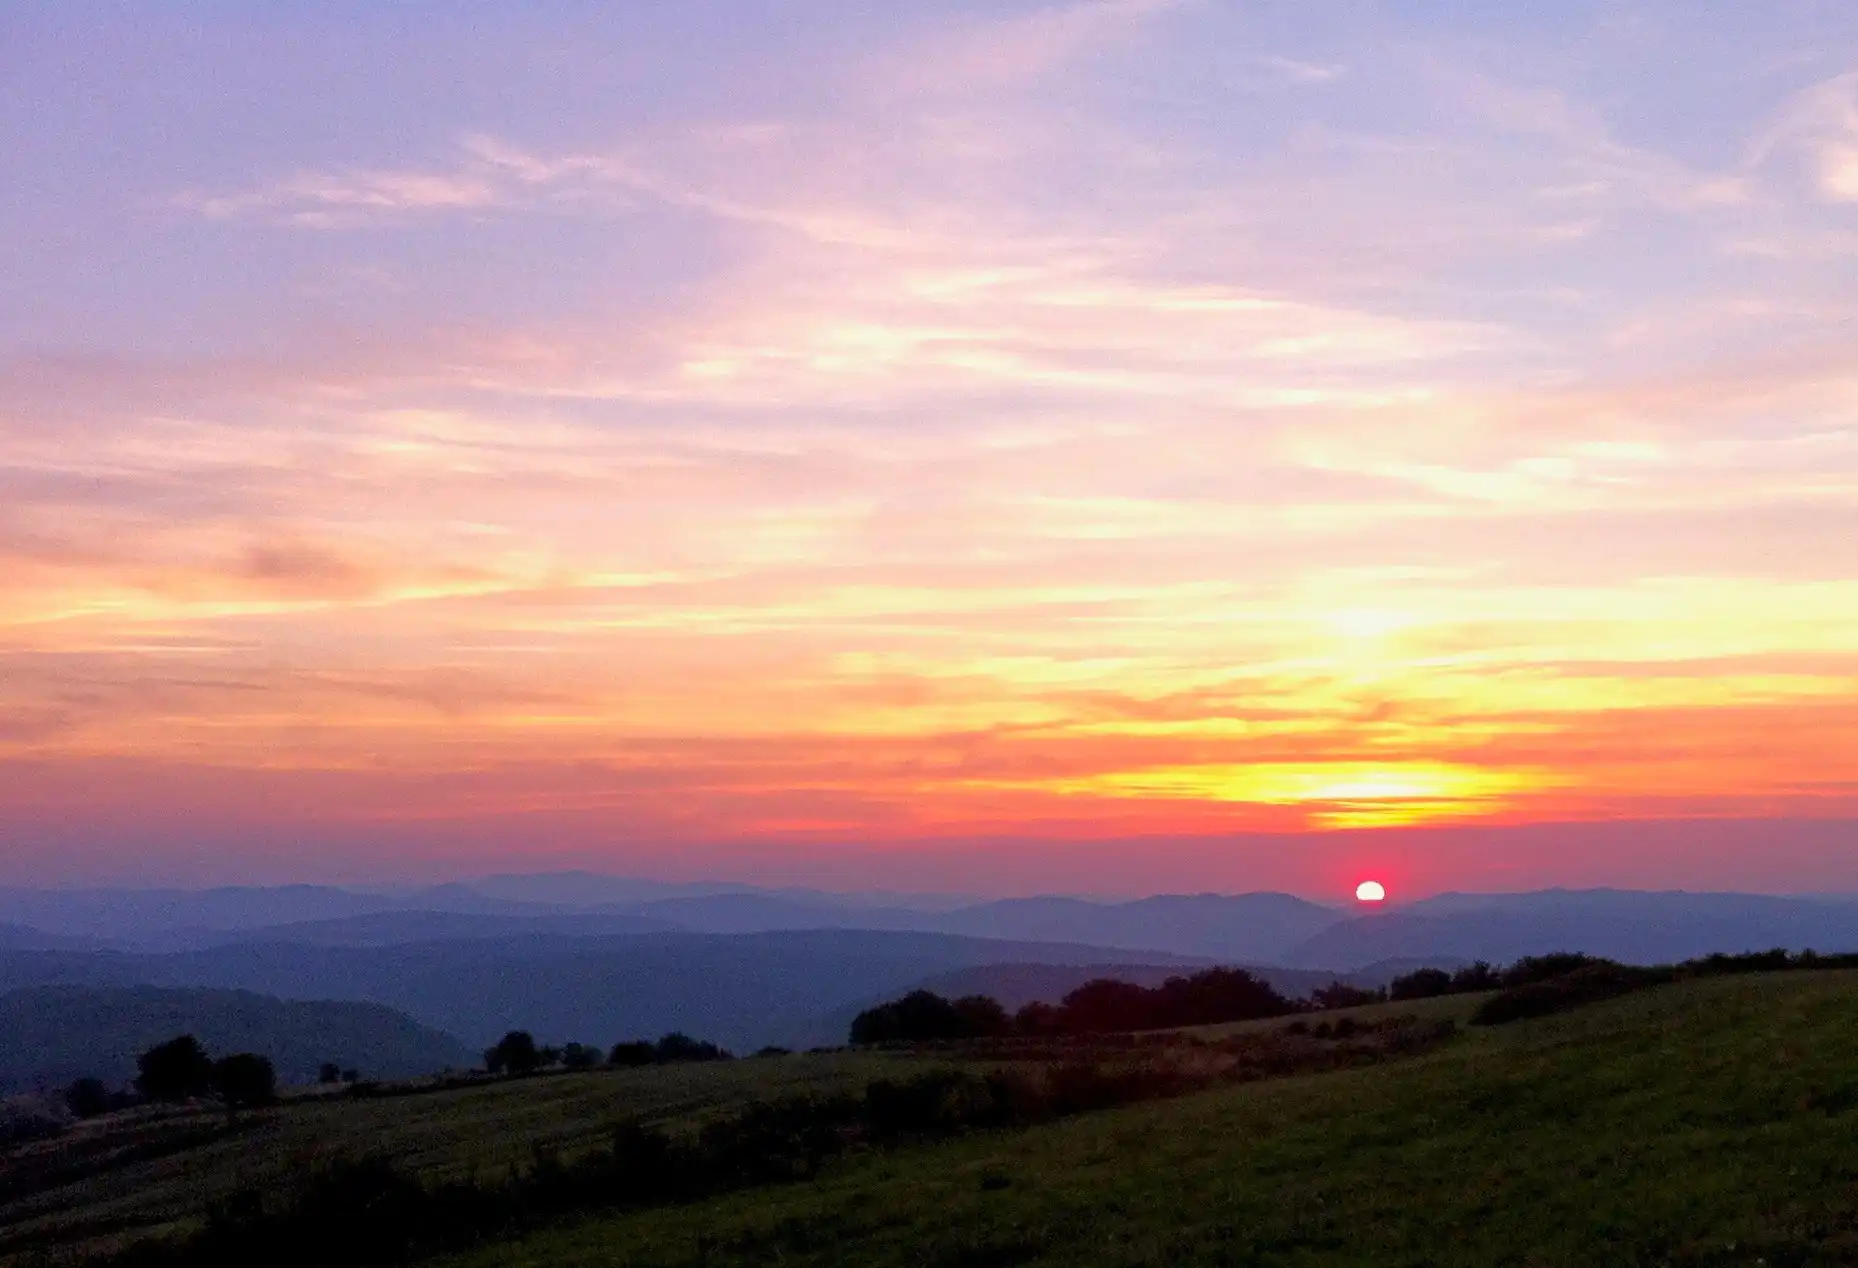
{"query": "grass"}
(122, 1178)
(1709, 1122)
(1456, 1008)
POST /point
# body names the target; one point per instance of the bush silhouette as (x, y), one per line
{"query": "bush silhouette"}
(633, 1053)
(515, 1053)
(578, 1056)
(87, 1098)
(175, 1071)
(1420, 984)
(1341, 995)
(1595, 980)
(1102, 1006)
(678, 1046)
(924, 1016)
(245, 1081)
(1476, 977)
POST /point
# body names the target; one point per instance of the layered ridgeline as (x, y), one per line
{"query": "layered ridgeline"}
(744, 991)
(1631, 926)
(750, 968)
(52, 1036)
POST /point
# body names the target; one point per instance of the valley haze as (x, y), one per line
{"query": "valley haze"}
(467, 961)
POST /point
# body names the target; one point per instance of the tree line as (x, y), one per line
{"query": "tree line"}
(518, 1053)
(1528, 987)
(182, 1070)
(1103, 1006)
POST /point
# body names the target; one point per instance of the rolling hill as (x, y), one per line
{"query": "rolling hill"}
(741, 990)
(1577, 1139)
(52, 1035)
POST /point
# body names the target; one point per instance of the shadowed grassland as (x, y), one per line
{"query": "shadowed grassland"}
(1455, 1008)
(111, 1181)
(1710, 1122)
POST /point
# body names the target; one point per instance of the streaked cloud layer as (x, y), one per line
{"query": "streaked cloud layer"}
(835, 436)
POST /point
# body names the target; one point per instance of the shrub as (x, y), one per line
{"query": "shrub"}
(1476, 977)
(1342, 995)
(918, 1017)
(175, 1071)
(677, 1046)
(1595, 980)
(1421, 984)
(578, 1056)
(87, 1098)
(636, 1052)
(515, 1053)
(245, 1081)
(1102, 1006)
(1541, 968)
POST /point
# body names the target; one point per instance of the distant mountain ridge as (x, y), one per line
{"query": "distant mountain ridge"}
(52, 1035)
(743, 990)
(1632, 926)
(1237, 927)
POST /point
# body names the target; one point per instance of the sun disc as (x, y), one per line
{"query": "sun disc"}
(1370, 892)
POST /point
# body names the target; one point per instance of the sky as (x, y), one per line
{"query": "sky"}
(1082, 445)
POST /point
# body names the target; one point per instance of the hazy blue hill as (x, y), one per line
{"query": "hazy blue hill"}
(156, 919)
(1237, 927)
(754, 912)
(52, 1035)
(1233, 927)
(389, 928)
(1632, 926)
(742, 990)
(1242, 927)
(25, 938)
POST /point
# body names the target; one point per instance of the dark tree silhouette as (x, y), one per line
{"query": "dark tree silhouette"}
(88, 1098)
(245, 1080)
(1101, 1006)
(920, 1016)
(515, 1053)
(1476, 977)
(1342, 995)
(578, 1056)
(175, 1071)
(678, 1046)
(330, 1073)
(1420, 984)
(633, 1053)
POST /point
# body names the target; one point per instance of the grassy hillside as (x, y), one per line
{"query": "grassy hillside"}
(113, 1180)
(1710, 1122)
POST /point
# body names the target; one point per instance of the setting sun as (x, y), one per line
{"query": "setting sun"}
(1370, 892)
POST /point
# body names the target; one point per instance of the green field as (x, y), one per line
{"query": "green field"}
(103, 1201)
(1713, 1122)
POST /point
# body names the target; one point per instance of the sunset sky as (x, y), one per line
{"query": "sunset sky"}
(1101, 447)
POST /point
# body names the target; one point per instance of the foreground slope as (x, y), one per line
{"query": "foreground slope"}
(115, 1180)
(1705, 1123)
